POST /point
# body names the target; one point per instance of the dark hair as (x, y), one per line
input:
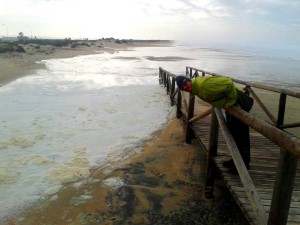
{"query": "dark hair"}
(180, 80)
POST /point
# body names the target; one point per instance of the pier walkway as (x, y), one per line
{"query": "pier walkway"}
(269, 192)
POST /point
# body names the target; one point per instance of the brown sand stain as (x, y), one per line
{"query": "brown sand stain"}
(161, 185)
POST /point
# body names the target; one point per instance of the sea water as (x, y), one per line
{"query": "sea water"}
(59, 122)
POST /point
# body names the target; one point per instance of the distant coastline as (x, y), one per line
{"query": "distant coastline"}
(18, 58)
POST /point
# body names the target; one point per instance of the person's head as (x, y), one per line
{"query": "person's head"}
(184, 83)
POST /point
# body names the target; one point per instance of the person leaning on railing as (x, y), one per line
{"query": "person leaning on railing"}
(222, 93)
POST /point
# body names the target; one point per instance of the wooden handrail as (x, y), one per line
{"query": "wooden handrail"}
(279, 137)
(200, 116)
(283, 139)
(272, 118)
(242, 170)
(289, 145)
(286, 141)
(290, 125)
(249, 86)
(295, 94)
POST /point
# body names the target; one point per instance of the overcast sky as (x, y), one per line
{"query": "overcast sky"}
(242, 22)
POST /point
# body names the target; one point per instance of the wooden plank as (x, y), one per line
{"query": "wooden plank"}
(242, 170)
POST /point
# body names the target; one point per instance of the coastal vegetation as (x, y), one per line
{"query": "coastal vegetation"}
(19, 44)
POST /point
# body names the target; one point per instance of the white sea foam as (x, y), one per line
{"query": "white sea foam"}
(114, 182)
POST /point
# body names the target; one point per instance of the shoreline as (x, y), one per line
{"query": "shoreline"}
(18, 64)
(160, 184)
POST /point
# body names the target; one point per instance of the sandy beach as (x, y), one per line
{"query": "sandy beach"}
(163, 184)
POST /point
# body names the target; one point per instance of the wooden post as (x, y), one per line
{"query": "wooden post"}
(189, 132)
(179, 102)
(281, 109)
(284, 183)
(160, 76)
(168, 83)
(172, 91)
(212, 151)
(283, 189)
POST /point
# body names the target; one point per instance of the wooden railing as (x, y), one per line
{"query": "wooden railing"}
(193, 72)
(288, 143)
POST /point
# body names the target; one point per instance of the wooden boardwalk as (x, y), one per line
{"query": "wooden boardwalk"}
(269, 192)
(263, 169)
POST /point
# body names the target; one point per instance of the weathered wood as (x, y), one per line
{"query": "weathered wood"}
(279, 137)
(264, 159)
(200, 116)
(172, 91)
(189, 132)
(168, 84)
(264, 108)
(242, 170)
(178, 108)
(212, 152)
(293, 93)
(281, 110)
(290, 125)
(175, 93)
(283, 188)
(160, 79)
(186, 106)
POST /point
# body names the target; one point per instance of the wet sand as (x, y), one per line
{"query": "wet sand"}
(162, 184)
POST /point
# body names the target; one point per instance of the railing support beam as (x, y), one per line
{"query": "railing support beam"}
(284, 184)
(189, 132)
(172, 91)
(283, 189)
(179, 103)
(212, 152)
(242, 170)
(284, 140)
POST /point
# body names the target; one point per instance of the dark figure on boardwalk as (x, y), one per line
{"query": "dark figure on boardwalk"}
(222, 93)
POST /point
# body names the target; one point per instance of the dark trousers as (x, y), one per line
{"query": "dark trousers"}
(240, 133)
